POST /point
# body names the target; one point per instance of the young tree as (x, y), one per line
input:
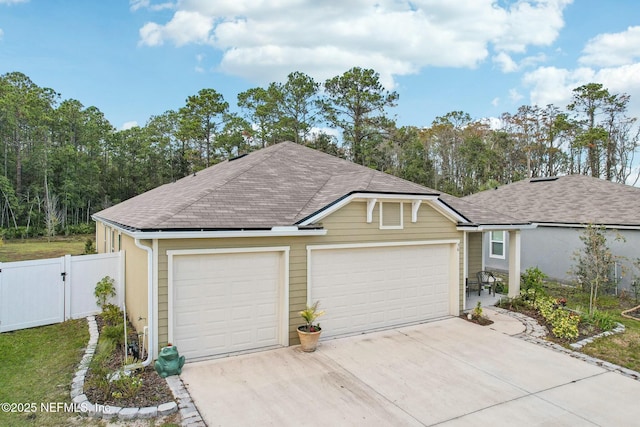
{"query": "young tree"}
(593, 264)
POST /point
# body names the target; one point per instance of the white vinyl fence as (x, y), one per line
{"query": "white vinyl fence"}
(47, 291)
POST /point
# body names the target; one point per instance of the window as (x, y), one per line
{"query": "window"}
(496, 244)
(391, 215)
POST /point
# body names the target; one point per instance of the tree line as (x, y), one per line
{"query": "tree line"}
(62, 161)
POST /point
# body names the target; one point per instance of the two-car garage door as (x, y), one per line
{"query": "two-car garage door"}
(227, 301)
(367, 288)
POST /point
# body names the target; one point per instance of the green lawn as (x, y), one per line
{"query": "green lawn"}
(622, 349)
(40, 248)
(37, 366)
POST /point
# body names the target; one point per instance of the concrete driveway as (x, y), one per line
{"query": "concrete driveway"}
(449, 372)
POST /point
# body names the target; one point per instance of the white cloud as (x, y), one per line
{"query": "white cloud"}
(534, 23)
(1, 34)
(495, 101)
(146, 4)
(504, 61)
(494, 123)
(129, 125)
(264, 41)
(10, 2)
(551, 85)
(610, 50)
(199, 68)
(185, 27)
(514, 95)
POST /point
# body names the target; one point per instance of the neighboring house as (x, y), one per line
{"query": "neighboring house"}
(223, 260)
(561, 207)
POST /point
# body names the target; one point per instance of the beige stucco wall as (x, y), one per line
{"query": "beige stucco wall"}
(347, 225)
(135, 267)
(136, 279)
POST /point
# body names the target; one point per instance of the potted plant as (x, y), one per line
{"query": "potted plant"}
(310, 333)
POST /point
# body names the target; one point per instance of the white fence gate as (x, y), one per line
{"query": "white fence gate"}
(43, 292)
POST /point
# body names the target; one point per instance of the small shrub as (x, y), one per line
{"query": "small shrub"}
(112, 315)
(601, 319)
(98, 366)
(126, 386)
(89, 247)
(114, 333)
(104, 290)
(477, 311)
(564, 323)
(502, 288)
(532, 282)
(516, 304)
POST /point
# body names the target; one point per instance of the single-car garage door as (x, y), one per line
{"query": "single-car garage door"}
(225, 302)
(378, 287)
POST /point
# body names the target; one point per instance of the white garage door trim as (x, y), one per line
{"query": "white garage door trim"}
(283, 297)
(454, 272)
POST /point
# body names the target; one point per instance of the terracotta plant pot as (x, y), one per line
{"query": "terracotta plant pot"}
(308, 340)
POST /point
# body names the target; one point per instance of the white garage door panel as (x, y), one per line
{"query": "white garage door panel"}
(369, 288)
(224, 303)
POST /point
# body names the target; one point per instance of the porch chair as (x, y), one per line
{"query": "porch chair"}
(471, 284)
(486, 278)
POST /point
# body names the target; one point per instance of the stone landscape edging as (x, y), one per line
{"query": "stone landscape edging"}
(188, 411)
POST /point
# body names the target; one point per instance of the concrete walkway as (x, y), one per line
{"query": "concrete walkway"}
(449, 372)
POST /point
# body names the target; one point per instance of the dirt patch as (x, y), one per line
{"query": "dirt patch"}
(153, 391)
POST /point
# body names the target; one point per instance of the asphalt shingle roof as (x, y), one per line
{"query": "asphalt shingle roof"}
(277, 186)
(572, 199)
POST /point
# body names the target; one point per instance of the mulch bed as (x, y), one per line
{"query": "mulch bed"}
(483, 321)
(585, 331)
(154, 390)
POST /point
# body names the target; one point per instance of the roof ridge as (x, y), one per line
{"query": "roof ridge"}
(310, 199)
(371, 175)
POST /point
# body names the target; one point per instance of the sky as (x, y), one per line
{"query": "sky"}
(139, 58)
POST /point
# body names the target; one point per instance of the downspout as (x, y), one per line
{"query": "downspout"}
(150, 319)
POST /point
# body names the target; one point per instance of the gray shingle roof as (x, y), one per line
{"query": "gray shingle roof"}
(572, 199)
(277, 186)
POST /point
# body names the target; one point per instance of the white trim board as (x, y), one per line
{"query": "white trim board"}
(376, 197)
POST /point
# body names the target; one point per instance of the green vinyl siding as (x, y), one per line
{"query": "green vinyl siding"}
(345, 226)
(474, 256)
